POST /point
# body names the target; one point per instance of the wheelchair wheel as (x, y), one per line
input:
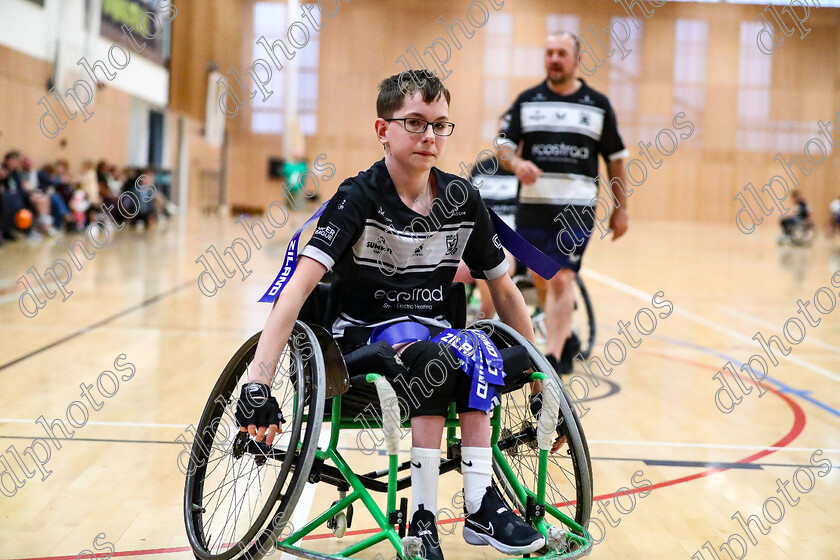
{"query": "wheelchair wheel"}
(583, 319)
(801, 234)
(569, 474)
(234, 483)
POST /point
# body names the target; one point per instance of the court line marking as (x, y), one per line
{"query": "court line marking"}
(793, 433)
(709, 445)
(103, 423)
(84, 330)
(639, 294)
(359, 449)
(164, 330)
(731, 311)
(784, 387)
(350, 448)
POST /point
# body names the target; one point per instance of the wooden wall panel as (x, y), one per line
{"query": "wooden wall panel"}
(203, 32)
(22, 84)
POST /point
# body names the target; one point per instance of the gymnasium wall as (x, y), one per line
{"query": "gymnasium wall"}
(692, 58)
(22, 84)
(42, 42)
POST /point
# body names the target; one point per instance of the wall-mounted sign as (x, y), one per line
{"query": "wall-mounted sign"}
(148, 23)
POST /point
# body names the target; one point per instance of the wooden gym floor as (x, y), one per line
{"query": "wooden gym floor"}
(116, 480)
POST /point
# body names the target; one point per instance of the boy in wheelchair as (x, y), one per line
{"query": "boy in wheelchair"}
(797, 228)
(393, 237)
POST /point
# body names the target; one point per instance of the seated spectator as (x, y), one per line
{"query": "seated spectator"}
(88, 180)
(80, 204)
(48, 180)
(40, 202)
(834, 220)
(13, 195)
(140, 186)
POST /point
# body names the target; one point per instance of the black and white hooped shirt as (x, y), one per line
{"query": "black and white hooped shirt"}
(562, 135)
(390, 262)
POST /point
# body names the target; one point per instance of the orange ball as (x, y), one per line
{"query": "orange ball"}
(23, 219)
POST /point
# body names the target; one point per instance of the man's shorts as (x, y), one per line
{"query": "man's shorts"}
(566, 245)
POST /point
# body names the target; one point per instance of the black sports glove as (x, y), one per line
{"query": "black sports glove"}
(536, 407)
(257, 406)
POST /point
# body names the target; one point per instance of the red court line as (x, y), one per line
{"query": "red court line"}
(799, 421)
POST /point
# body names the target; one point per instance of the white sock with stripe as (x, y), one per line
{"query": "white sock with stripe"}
(477, 466)
(425, 473)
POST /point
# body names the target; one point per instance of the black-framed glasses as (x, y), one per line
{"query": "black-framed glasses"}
(419, 126)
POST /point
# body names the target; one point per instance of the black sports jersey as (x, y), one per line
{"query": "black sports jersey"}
(498, 189)
(562, 135)
(390, 262)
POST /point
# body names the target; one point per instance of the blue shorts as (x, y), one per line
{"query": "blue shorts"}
(566, 246)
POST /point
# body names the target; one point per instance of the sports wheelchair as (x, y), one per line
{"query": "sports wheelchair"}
(240, 494)
(583, 317)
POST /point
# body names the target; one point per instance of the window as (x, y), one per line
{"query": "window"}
(757, 131)
(271, 22)
(498, 61)
(623, 87)
(691, 43)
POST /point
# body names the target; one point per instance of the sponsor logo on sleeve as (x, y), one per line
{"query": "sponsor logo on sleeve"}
(327, 233)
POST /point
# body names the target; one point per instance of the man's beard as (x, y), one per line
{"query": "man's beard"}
(560, 78)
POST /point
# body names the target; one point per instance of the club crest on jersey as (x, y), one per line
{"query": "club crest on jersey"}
(327, 233)
(451, 243)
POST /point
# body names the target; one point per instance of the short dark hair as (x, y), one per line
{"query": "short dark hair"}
(394, 89)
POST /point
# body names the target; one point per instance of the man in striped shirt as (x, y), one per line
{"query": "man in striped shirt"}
(557, 130)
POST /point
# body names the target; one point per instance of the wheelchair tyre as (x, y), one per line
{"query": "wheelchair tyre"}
(239, 494)
(801, 234)
(569, 475)
(584, 318)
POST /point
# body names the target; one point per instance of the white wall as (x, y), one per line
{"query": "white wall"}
(138, 132)
(60, 26)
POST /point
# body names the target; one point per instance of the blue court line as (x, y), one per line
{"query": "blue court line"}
(783, 387)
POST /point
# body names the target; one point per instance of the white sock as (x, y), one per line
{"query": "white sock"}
(425, 473)
(477, 466)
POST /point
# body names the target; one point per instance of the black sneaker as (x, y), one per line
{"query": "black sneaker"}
(495, 524)
(423, 524)
(570, 349)
(558, 366)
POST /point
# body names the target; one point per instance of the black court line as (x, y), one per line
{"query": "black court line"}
(98, 324)
(651, 462)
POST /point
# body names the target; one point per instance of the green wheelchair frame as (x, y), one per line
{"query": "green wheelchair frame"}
(321, 377)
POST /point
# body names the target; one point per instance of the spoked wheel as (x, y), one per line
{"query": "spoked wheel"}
(234, 483)
(569, 472)
(583, 319)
